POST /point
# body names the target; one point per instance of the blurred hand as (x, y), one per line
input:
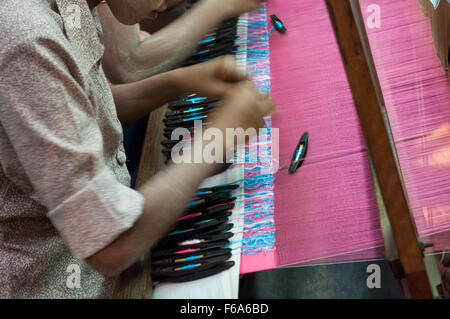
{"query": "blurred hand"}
(211, 79)
(243, 106)
(173, 3)
(234, 8)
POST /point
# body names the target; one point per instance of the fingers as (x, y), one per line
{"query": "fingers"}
(262, 103)
(242, 107)
(268, 106)
(214, 78)
(249, 88)
(228, 69)
(251, 103)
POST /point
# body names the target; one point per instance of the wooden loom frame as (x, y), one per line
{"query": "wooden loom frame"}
(440, 28)
(136, 282)
(358, 62)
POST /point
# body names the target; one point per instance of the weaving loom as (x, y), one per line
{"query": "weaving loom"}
(327, 212)
(317, 99)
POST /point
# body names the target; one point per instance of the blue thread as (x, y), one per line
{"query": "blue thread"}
(258, 182)
(191, 258)
(189, 266)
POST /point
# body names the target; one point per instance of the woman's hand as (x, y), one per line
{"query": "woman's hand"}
(242, 107)
(234, 8)
(211, 79)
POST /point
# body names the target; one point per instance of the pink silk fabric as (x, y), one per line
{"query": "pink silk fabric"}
(327, 211)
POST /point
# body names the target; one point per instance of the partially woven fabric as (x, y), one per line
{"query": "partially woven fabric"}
(327, 211)
(259, 231)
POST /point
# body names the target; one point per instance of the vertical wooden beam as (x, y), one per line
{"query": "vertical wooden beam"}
(440, 28)
(364, 90)
(136, 282)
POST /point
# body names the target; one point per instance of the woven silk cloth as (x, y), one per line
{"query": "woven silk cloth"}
(327, 211)
(259, 231)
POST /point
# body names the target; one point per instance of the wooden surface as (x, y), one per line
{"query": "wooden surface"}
(136, 282)
(440, 28)
(152, 159)
(364, 91)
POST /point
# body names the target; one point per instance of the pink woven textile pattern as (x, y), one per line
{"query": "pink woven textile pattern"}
(318, 211)
(327, 212)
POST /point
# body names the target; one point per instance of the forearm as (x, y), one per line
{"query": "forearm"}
(166, 196)
(128, 59)
(168, 47)
(137, 99)
(211, 79)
